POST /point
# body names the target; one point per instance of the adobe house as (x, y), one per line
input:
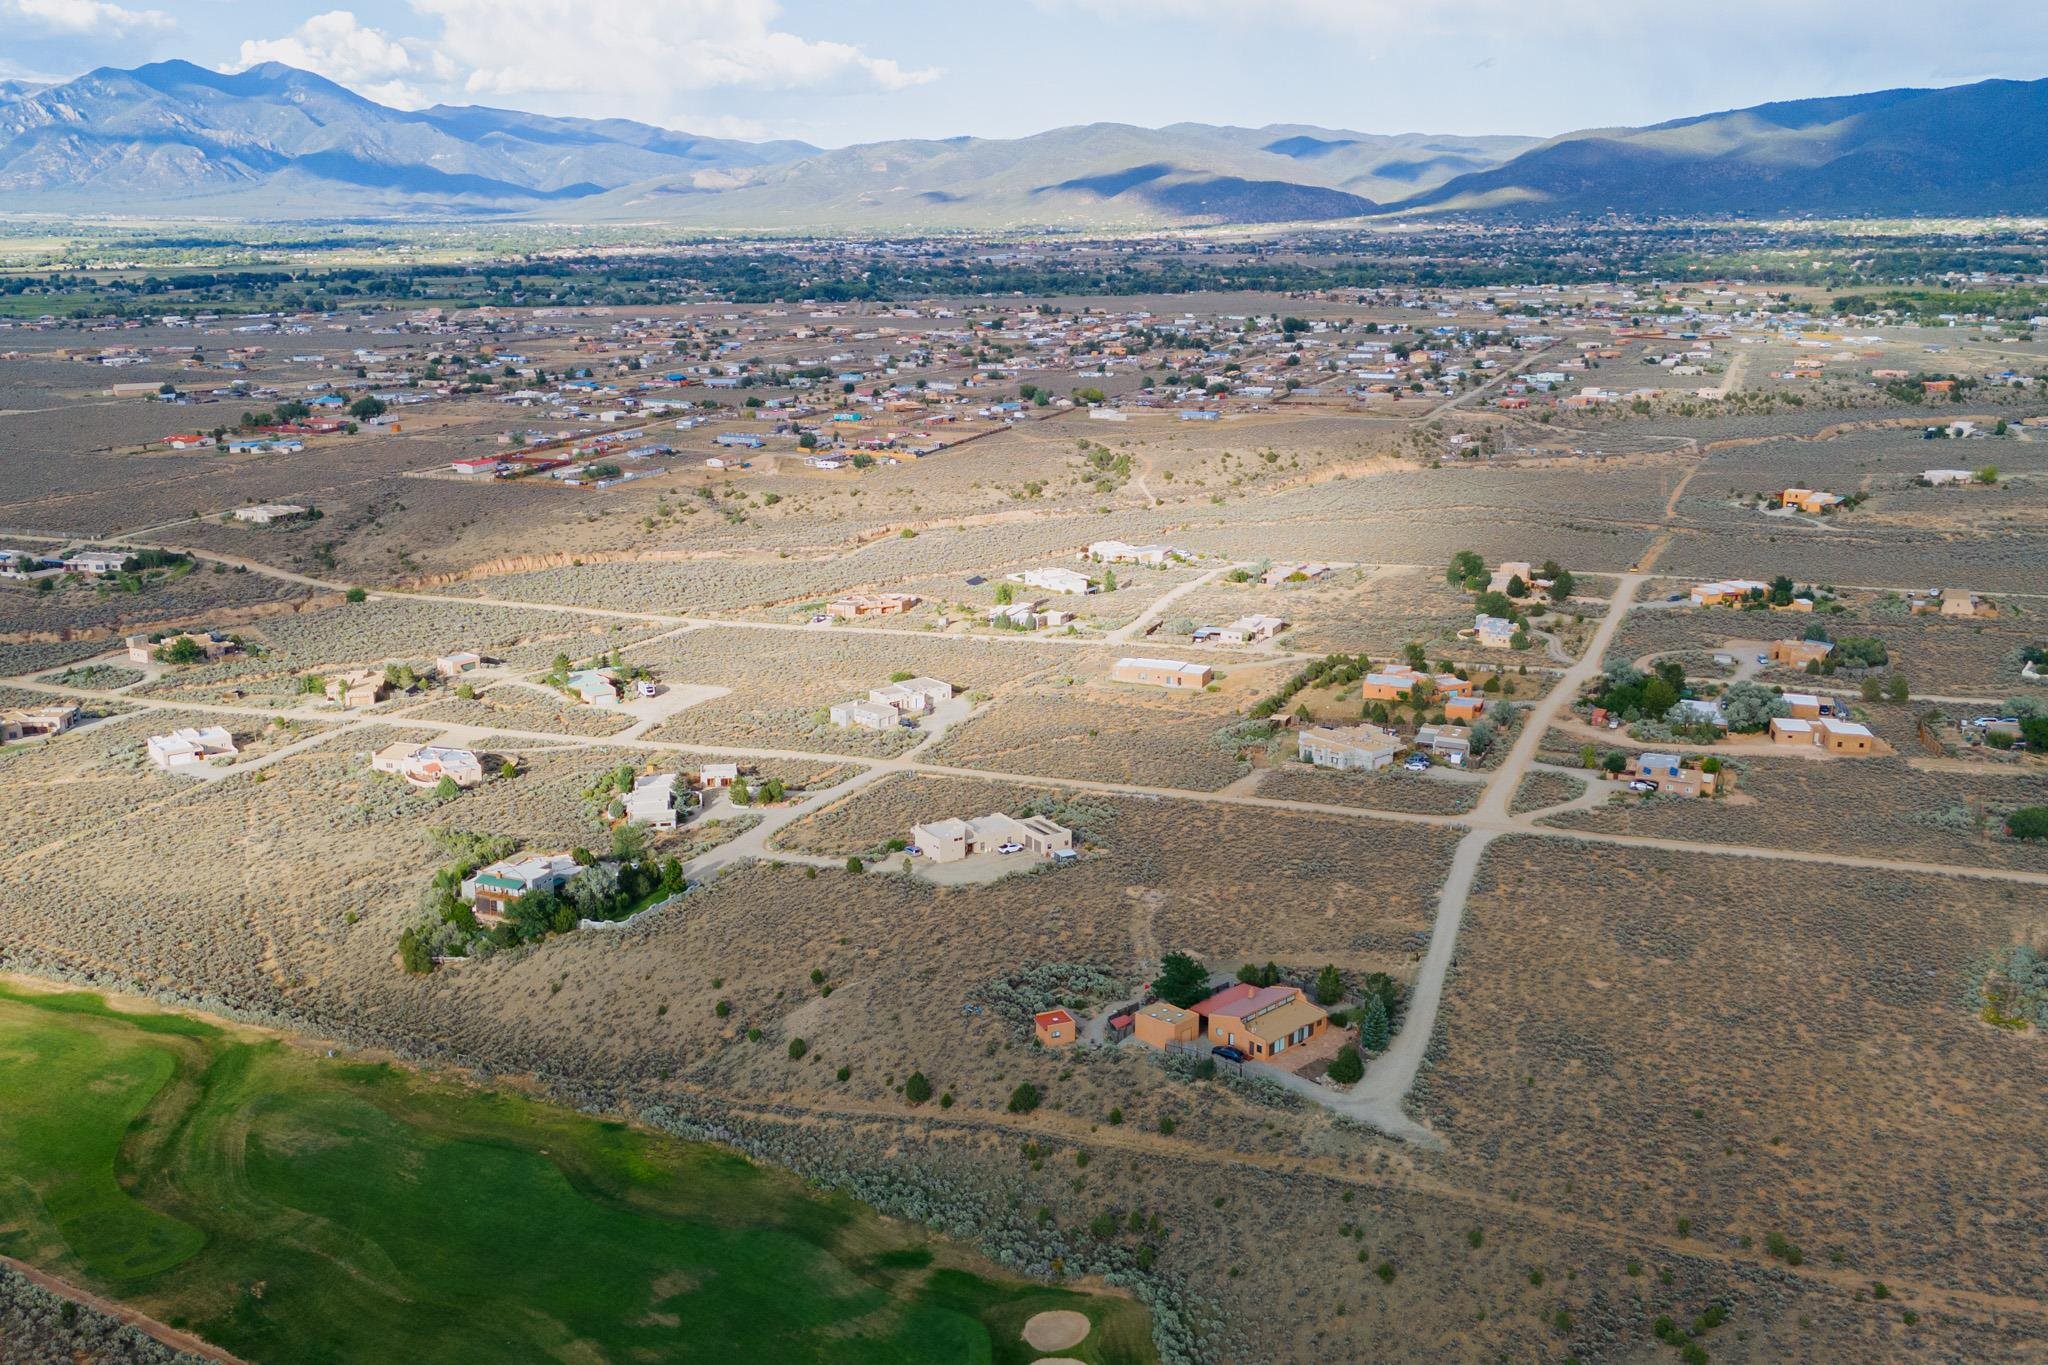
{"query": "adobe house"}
(1173, 673)
(1160, 1025)
(1799, 653)
(1675, 776)
(1054, 1028)
(1261, 1021)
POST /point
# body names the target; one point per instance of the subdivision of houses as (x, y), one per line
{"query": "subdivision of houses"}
(652, 802)
(1055, 1028)
(1170, 673)
(1494, 632)
(36, 722)
(1811, 501)
(212, 646)
(1120, 552)
(1675, 776)
(424, 765)
(1063, 581)
(948, 841)
(493, 889)
(363, 687)
(1729, 592)
(1261, 1021)
(190, 747)
(854, 606)
(1798, 653)
(1352, 748)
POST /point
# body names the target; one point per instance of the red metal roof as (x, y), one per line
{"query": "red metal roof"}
(1242, 1000)
(1045, 1017)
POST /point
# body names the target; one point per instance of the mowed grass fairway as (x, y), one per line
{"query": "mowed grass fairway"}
(290, 1208)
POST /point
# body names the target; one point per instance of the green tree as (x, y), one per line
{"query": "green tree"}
(1024, 1098)
(1870, 688)
(1329, 985)
(366, 407)
(1005, 594)
(446, 790)
(1347, 1067)
(855, 865)
(356, 595)
(1181, 980)
(1896, 688)
(2028, 822)
(797, 1048)
(183, 650)
(1464, 564)
(917, 1089)
(1374, 1030)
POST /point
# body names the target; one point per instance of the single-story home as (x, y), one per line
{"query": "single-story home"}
(1173, 673)
(1293, 573)
(1447, 741)
(364, 687)
(1055, 1028)
(1675, 776)
(1843, 736)
(1354, 748)
(455, 665)
(424, 765)
(713, 776)
(865, 715)
(266, 513)
(1261, 1021)
(1809, 500)
(142, 649)
(948, 841)
(1494, 632)
(652, 802)
(913, 696)
(593, 686)
(191, 747)
(1248, 629)
(99, 563)
(1118, 552)
(1160, 1024)
(1728, 592)
(1798, 653)
(1810, 705)
(36, 722)
(1064, 581)
(853, 606)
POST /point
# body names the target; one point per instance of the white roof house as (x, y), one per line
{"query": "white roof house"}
(100, 562)
(866, 715)
(1349, 748)
(1494, 632)
(268, 512)
(189, 748)
(594, 686)
(1122, 552)
(1246, 629)
(913, 696)
(652, 801)
(1055, 580)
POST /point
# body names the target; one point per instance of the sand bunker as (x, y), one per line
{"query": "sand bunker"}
(1055, 1331)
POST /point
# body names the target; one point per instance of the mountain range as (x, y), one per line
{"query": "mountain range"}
(277, 143)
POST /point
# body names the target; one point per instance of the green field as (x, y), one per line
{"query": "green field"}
(292, 1208)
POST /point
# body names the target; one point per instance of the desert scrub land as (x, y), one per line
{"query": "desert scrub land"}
(1391, 789)
(526, 706)
(1367, 610)
(1542, 789)
(1873, 807)
(1797, 1051)
(394, 628)
(1104, 734)
(781, 683)
(320, 1180)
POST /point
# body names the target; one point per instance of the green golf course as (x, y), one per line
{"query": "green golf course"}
(291, 1208)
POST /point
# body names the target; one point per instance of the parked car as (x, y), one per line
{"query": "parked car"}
(1416, 763)
(1228, 1054)
(1639, 785)
(646, 688)
(818, 618)
(1011, 847)
(913, 850)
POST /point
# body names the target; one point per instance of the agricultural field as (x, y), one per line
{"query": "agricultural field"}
(1853, 1103)
(313, 1207)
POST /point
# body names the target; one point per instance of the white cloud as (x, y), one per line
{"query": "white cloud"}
(633, 57)
(84, 18)
(366, 60)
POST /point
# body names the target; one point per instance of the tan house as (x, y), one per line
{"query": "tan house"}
(142, 650)
(948, 841)
(1453, 742)
(424, 765)
(1729, 592)
(364, 687)
(1161, 1025)
(1396, 681)
(853, 606)
(1791, 730)
(37, 722)
(458, 664)
(1811, 501)
(1952, 602)
(1675, 776)
(1799, 653)
(1352, 748)
(1844, 737)
(1248, 630)
(1261, 1021)
(1173, 673)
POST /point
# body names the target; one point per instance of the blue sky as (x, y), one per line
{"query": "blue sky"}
(840, 71)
